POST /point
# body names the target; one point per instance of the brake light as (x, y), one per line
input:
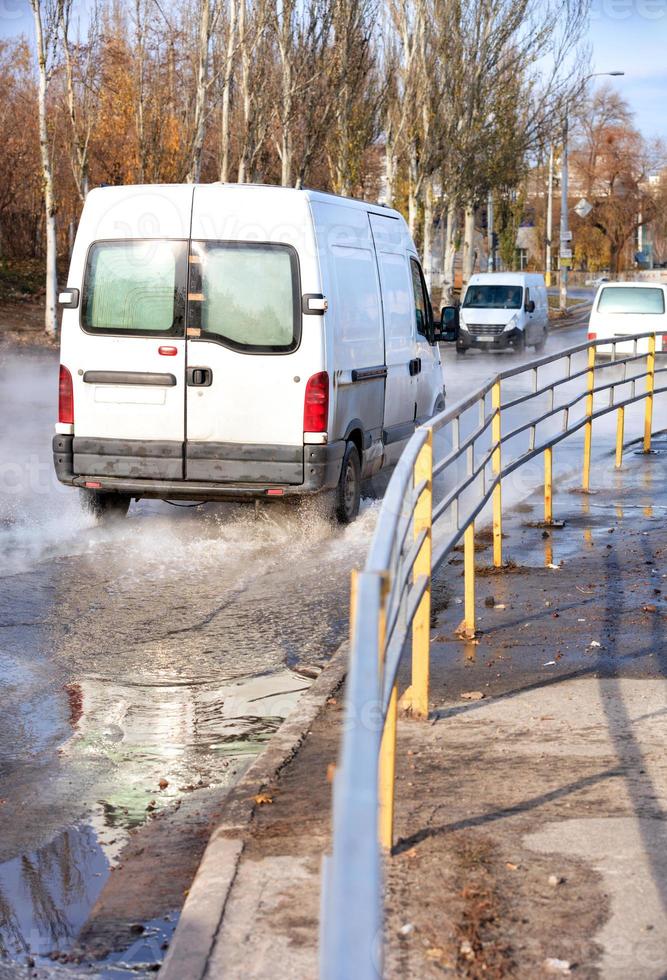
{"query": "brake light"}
(65, 397)
(316, 403)
(664, 341)
(275, 492)
(592, 336)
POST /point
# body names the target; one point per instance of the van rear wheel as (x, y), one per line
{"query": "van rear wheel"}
(348, 491)
(106, 507)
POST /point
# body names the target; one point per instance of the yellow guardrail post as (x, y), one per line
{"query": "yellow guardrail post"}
(387, 761)
(588, 428)
(421, 624)
(650, 385)
(496, 466)
(620, 432)
(469, 579)
(548, 485)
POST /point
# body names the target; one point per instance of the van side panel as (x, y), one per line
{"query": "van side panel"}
(355, 338)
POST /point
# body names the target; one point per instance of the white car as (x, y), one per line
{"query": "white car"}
(235, 341)
(624, 308)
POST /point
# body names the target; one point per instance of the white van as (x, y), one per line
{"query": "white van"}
(622, 308)
(233, 341)
(502, 310)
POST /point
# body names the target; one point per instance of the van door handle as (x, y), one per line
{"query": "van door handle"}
(415, 366)
(199, 377)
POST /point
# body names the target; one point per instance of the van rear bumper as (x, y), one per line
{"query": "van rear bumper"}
(154, 469)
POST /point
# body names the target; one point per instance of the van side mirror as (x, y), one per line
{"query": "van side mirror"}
(69, 299)
(530, 306)
(449, 322)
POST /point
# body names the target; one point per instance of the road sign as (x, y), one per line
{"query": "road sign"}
(566, 236)
(565, 263)
(565, 253)
(583, 208)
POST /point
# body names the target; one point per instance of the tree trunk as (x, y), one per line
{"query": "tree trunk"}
(47, 177)
(468, 242)
(141, 71)
(390, 172)
(427, 252)
(194, 172)
(450, 251)
(226, 88)
(413, 192)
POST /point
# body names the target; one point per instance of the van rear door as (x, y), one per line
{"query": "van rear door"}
(127, 360)
(244, 384)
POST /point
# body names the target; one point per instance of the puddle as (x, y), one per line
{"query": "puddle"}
(160, 741)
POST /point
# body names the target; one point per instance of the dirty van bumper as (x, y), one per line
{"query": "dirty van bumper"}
(156, 469)
(503, 341)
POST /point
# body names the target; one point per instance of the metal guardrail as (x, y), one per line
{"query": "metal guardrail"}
(428, 507)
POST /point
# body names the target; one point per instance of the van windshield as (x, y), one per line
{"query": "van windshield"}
(245, 295)
(631, 299)
(135, 287)
(493, 297)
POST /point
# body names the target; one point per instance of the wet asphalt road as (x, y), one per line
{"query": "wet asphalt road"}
(167, 648)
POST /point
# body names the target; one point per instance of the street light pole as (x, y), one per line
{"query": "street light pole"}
(565, 238)
(564, 229)
(550, 216)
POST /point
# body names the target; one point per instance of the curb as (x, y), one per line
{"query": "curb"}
(204, 906)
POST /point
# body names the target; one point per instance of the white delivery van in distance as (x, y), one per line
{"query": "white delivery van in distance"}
(623, 308)
(504, 310)
(235, 341)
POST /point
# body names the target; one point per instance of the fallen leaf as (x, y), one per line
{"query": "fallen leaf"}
(473, 695)
(163, 783)
(262, 798)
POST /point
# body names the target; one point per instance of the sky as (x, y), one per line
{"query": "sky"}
(624, 35)
(631, 36)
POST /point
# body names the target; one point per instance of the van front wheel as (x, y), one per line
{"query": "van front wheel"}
(348, 491)
(106, 507)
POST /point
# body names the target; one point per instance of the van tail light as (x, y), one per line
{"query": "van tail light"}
(316, 403)
(664, 341)
(65, 397)
(592, 336)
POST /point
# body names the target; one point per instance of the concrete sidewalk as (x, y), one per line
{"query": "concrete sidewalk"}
(530, 821)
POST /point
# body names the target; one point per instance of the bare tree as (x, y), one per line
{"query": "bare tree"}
(208, 14)
(81, 86)
(47, 14)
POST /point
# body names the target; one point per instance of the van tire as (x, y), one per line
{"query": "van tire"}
(348, 491)
(106, 507)
(520, 346)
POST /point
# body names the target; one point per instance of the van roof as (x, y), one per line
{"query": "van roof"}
(512, 278)
(268, 189)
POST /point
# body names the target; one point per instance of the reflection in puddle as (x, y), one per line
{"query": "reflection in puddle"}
(45, 896)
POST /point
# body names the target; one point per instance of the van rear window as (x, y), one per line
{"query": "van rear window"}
(631, 299)
(246, 296)
(135, 287)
